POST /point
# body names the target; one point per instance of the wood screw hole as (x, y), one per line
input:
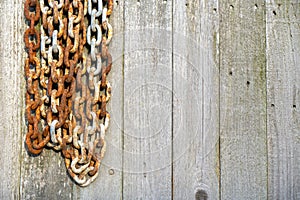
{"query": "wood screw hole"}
(294, 106)
(111, 172)
(272, 105)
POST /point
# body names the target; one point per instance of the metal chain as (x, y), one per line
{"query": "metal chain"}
(35, 138)
(88, 140)
(67, 89)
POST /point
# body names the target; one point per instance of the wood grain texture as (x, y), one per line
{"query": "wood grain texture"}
(205, 105)
(109, 183)
(44, 176)
(11, 93)
(147, 100)
(243, 100)
(283, 76)
(195, 100)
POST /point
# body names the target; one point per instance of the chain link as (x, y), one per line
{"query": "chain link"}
(67, 89)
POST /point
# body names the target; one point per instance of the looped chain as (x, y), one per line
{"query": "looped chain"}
(67, 88)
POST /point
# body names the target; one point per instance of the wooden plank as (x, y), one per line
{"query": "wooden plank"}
(283, 75)
(109, 183)
(44, 176)
(147, 100)
(243, 100)
(11, 92)
(196, 99)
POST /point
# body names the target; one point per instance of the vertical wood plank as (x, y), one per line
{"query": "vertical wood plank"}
(44, 176)
(243, 100)
(147, 99)
(283, 76)
(108, 184)
(11, 92)
(196, 99)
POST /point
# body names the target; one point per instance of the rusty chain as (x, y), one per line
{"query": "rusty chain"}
(67, 89)
(35, 139)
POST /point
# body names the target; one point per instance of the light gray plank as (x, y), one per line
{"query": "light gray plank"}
(243, 100)
(108, 184)
(283, 75)
(196, 99)
(44, 176)
(147, 100)
(11, 93)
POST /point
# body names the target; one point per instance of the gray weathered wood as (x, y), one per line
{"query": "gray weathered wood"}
(167, 97)
(11, 93)
(196, 99)
(109, 183)
(283, 75)
(147, 100)
(44, 176)
(243, 100)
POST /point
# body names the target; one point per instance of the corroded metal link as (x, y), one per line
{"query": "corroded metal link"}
(59, 113)
(110, 6)
(35, 139)
(88, 135)
(67, 88)
(32, 16)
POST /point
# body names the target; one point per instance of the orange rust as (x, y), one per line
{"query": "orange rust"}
(52, 83)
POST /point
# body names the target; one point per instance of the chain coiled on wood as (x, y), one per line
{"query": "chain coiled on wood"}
(67, 89)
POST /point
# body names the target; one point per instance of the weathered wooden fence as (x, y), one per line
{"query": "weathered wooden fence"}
(205, 104)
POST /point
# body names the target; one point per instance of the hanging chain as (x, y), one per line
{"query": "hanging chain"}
(67, 90)
(35, 138)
